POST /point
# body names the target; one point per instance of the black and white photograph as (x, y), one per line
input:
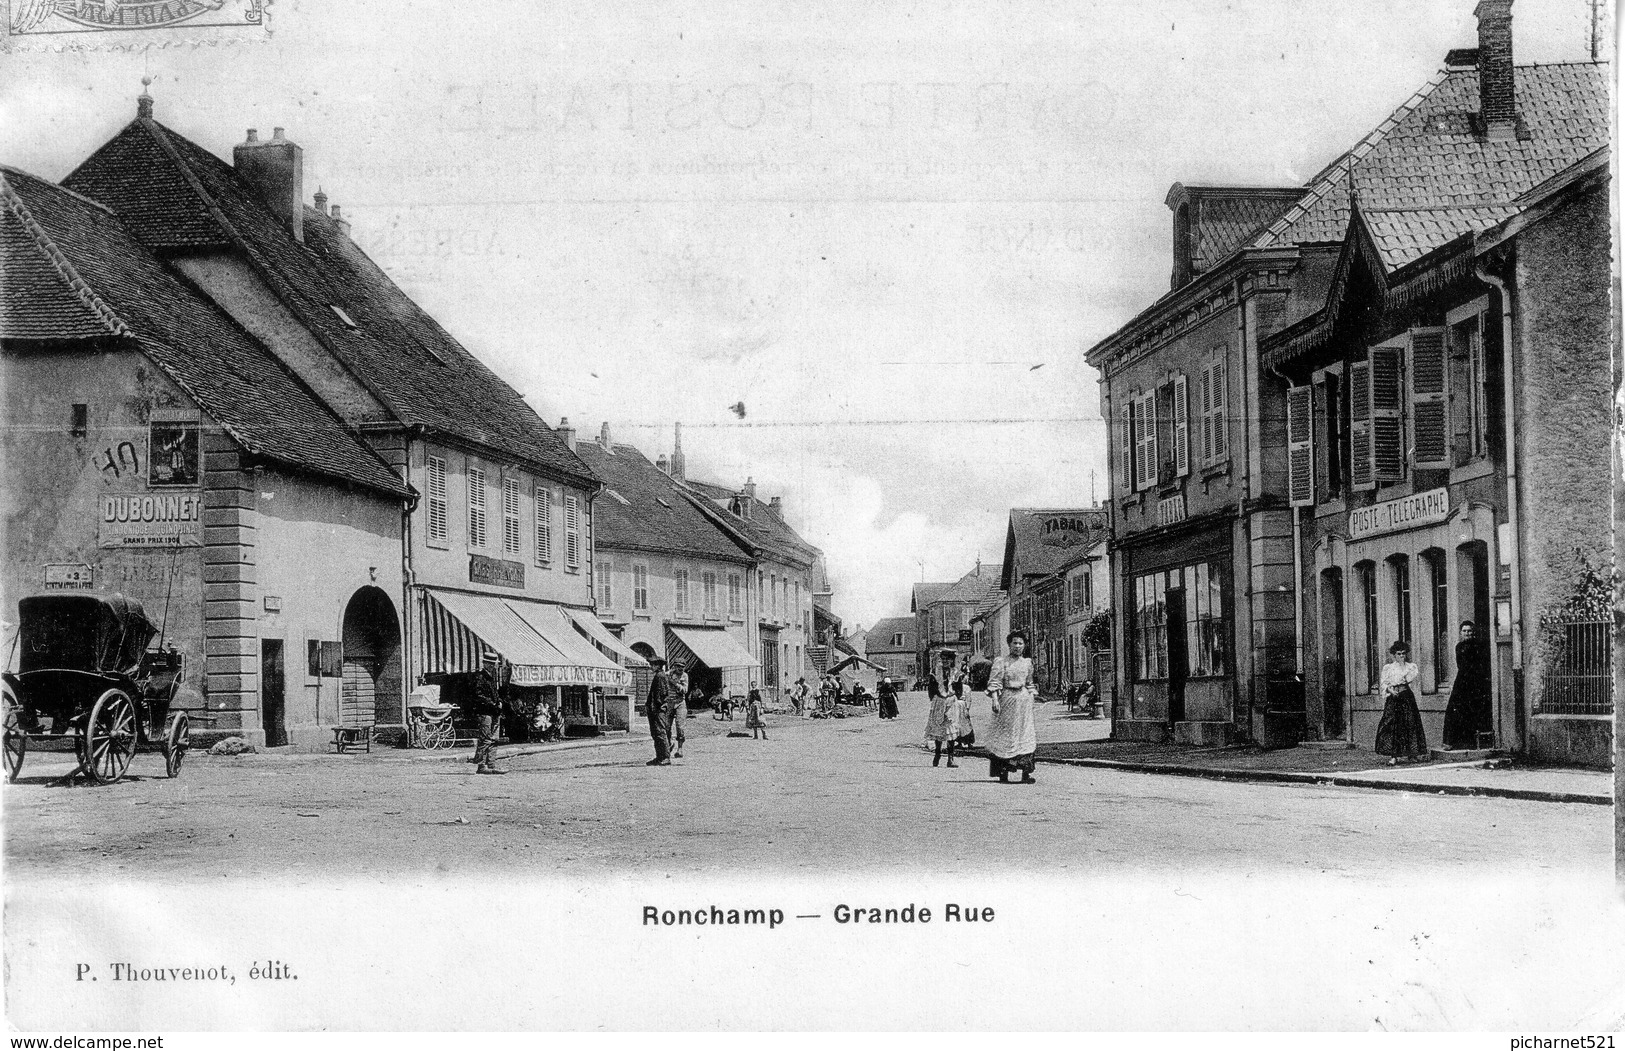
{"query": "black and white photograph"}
(991, 517)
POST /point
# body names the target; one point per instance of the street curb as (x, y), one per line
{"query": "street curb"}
(503, 752)
(1340, 780)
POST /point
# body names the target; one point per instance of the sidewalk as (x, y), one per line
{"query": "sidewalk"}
(1069, 739)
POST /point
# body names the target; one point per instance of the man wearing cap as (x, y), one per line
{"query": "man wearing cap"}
(488, 706)
(660, 713)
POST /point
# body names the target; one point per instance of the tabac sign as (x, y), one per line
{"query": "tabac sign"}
(151, 519)
(1405, 513)
(1065, 530)
(570, 675)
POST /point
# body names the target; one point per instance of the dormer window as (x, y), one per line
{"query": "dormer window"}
(1182, 245)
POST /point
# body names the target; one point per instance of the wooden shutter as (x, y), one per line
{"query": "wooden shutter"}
(1300, 444)
(1360, 472)
(1152, 461)
(1221, 412)
(1322, 442)
(1207, 413)
(1139, 442)
(572, 530)
(1430, 411)
(1388, 413)
(1182, 428)
(1125, 466)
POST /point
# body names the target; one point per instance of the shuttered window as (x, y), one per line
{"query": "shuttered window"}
(1125, 446)
(708, 587)
(437, 500)
(606, 588)
(736, 587)
(680, 577)
(510, 516)
(640, 588)
(1300, 433)
(1182, 439)
(572, 531)
(1215, 406)
(1388, 413)
(1360, 470)
(1145, 441)
(544, 525)
(476, 507)
(1430, 409)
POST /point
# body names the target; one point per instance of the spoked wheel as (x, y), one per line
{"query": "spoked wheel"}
(108, 740)
(16, 740)
(176, 741)
(442, 735)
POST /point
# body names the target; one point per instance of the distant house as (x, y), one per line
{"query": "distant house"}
(1040, 544)
(943, 618)
(890, 643)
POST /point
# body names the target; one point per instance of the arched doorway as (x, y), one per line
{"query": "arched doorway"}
(371, 690)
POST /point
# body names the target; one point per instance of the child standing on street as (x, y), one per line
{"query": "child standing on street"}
(753, 715)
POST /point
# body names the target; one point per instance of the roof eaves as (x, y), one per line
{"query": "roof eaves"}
(59, 261)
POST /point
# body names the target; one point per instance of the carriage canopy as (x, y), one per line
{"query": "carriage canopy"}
(101, 633)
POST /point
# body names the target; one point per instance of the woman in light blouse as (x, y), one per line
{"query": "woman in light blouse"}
(1011, 740)
(1399, 734)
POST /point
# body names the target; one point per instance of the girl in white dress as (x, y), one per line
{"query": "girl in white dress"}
(1011, 740)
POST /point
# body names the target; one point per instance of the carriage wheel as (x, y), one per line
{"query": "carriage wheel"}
(176, 742)
(15, 739)
(108, 740)
(445, 735)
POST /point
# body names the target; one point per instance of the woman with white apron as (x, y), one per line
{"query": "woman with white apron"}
(1011, 741)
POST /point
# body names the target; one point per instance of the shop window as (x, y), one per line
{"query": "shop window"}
(1399, 569)
(436, 509)
(1365, 574)
(640, 588)
(510, 516)
(1207, 628)
(1151, 626)
(1439, 620)
(476, 507)
(544, 525)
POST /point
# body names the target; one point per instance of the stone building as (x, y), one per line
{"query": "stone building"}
(1039, 544)
(890, 644)
(154, 448)
(1223, 583)
(943, 614)
(495, 549)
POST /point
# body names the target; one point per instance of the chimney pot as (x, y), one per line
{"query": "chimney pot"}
(321, 201)
(776, 504)
(1497, 104)
(567, 432)
(276, 171)
(660, 462)
(603, 435)
(277, 136)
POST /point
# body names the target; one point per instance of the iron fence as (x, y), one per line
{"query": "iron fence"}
(1579, 677)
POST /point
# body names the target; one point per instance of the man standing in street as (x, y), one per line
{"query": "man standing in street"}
(659, 709)
(488, 707)
(678, 700)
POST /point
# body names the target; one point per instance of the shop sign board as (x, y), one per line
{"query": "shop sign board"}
(570, 675)
(151, 519)
(495, 572)
(69, 577)
(1408, 512)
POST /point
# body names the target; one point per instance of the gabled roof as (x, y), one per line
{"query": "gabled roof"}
(1425, 159)
(642, 509)
(765, 529)
(69, 269)
(995, 598)
(1223, 218)
(1040, 540)
(880, 636)
(971, 588)
(175, 195)
(925, 594)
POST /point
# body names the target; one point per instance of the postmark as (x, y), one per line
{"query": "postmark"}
(53, 25)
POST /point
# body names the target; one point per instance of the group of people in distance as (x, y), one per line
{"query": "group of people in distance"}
(1010, 739)
(1468, 717)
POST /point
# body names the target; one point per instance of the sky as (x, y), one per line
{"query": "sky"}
(891, 230)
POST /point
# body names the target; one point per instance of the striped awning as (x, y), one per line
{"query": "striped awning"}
(713, 647)
(536, 638)
(606, 641)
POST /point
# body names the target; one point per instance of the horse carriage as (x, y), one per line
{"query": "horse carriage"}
(84, 673)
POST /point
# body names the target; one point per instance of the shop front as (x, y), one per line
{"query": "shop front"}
(558, 679)
(1410, 569)
(715, 660)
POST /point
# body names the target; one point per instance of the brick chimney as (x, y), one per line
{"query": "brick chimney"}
(321, 201)
(567, 432)
(1496, 102)
(339, 221)
(661, 463)
(747, 499)
(603, 436)
(776, 505)
(276, 171)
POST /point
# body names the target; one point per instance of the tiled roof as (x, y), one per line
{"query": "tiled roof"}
(1426, 159)
(644, 510)
(994, 599)
(123, 289)
(925, 594)
(763, 528)
(1029, 552)
(880, 635)
(972, 588)
(174, 194)
(1226, 218)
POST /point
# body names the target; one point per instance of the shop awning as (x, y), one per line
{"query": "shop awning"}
(587, 666)
(713, 647)
(536, 638)
(594, 629)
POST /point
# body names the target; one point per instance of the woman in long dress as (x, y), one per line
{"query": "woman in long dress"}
(1399, 734)
(1011, 741)
(1469, 714)
(943, 727)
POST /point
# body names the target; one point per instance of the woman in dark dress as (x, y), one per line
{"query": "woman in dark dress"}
(1469, 712)
(1399, 734)
(888, 699)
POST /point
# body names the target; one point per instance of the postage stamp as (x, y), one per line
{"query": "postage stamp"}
(130, 24)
